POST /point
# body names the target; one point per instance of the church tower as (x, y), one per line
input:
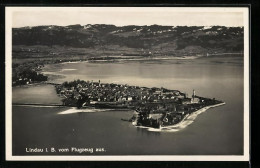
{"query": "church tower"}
(193, 94)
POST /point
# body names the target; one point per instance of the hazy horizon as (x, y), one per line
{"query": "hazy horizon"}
(122, 26)
(122, 16)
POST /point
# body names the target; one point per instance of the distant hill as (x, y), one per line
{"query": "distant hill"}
(127, 40)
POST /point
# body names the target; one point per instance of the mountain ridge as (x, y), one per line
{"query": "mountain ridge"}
(107, 39)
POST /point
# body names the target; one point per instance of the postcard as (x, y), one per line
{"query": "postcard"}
(127, 83)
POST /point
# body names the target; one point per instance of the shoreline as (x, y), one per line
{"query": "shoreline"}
(186, 118)
(119, 59)
(143, 58)
(204, 109)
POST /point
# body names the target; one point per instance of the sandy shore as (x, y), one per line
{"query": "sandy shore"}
(187, 120)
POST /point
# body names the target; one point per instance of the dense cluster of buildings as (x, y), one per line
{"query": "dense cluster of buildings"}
(154, 106)
(96, 92)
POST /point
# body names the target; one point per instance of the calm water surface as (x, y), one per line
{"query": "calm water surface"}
(218, 131)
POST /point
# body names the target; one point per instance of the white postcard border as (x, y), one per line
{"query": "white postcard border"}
(8, 92)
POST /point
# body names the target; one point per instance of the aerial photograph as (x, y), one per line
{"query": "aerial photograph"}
(127, 81)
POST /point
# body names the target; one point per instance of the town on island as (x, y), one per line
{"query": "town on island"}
(154, 107)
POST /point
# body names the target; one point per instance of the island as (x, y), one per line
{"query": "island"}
(154, 107)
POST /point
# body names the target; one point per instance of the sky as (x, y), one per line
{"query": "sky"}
(120, 16)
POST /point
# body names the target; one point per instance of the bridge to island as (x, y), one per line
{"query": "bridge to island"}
(38, 105)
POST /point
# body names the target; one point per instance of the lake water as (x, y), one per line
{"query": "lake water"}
(218, 131)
